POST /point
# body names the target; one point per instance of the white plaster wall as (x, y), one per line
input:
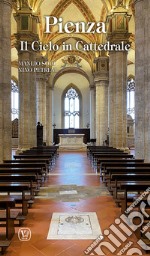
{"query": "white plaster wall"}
(83, 85)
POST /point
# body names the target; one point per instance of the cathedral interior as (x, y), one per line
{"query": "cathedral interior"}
(74, 74)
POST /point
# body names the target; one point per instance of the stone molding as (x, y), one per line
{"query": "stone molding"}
(99, 83)
(136, 1)
(92, 86)
(101, 76)
(25, 36)
(40, 76)
(8, 2)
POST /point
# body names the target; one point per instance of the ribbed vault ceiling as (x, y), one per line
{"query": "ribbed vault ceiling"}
(72, 10)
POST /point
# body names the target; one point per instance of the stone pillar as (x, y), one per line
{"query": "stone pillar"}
(117, 99)
(101, 84)
(117, 33)
(5, 80)
(41, 101)
(142, 80)
(49, 118)
(26, 31)
(92, 112)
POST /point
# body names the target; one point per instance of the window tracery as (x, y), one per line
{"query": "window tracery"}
(71, 109)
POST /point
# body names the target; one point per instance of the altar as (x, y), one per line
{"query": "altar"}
(71, 141)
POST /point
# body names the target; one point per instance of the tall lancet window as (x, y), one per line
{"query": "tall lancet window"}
(14, 100)
(71, 109)
(131, 98)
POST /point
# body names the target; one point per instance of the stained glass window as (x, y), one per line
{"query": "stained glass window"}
(14, 100)
(71, 109)
(131, 97)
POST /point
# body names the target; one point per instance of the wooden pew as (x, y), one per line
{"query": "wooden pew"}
(33, 157)
(128, 177)
(127, 187)
(32, 175)
(20, 164)
(17, 187)
(46, 148)
(122, 163)
(36, 170)
(36, 157)
(113, 157)
(95, 154)
(130, 170)
(4, 244)
(7, 204)
(100, 149)
(30, 178)
(45, 161)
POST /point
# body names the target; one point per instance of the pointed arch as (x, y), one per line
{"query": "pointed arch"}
(82, 7)
(71, 106)
(80, 4)
(69, 70)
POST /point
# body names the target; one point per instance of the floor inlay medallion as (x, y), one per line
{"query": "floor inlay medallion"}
(74, 226)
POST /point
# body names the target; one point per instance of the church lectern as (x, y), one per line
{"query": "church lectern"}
(39, 134)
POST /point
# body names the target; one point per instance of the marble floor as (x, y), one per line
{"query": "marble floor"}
(71, 172)
(74, 225)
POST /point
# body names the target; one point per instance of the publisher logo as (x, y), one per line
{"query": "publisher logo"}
(24, 234)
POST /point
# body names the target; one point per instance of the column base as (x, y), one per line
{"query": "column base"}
(125, 149)
(20, 150)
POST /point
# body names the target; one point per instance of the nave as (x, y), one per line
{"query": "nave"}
(72, 170)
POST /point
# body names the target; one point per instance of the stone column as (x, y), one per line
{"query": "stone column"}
(142, 80)
(92, 112)
(26, 31)
(27, 105)
(117, 33)
(101, 84)
(41, 101)
(117, 99)
(49, 117)
(5, 80)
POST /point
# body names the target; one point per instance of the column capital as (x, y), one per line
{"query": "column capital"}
(101, 58)
(118, 25)
(27, 38)
(26, 27)
(102, 69)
